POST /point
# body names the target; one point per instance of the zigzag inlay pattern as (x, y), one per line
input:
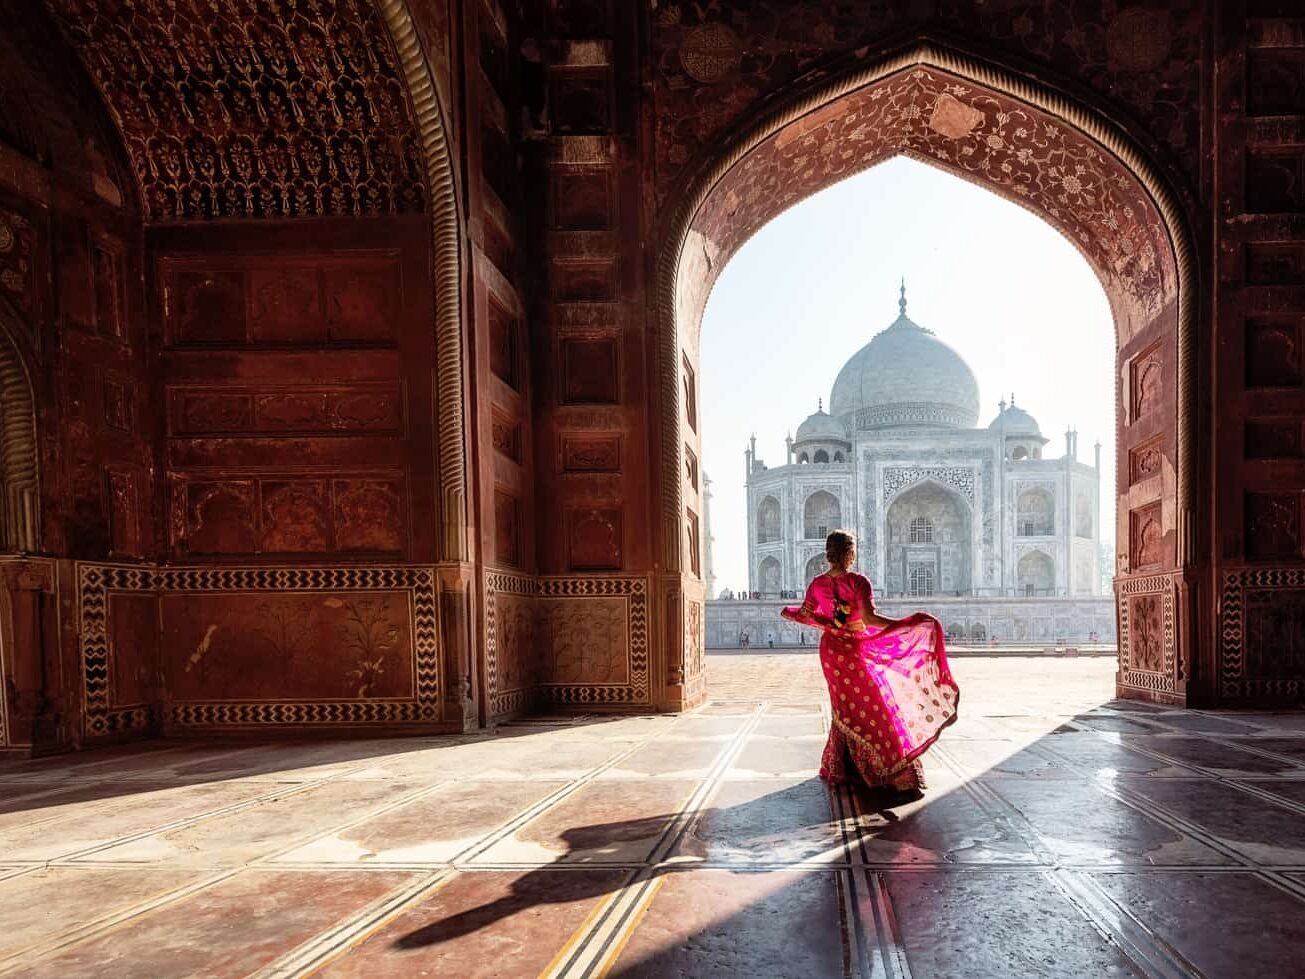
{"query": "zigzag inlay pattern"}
(1234, 684)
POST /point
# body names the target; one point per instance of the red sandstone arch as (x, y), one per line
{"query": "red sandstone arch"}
(20, 516)
(1035, 147)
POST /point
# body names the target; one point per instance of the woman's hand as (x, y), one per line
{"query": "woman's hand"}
(877, 623)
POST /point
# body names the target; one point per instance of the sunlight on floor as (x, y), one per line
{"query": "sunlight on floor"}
(694, 844)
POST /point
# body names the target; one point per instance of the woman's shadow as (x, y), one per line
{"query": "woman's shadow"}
(749, 829)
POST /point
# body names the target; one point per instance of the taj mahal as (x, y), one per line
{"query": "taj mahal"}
(984, 526)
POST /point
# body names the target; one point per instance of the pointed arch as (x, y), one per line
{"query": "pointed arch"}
(441, 190)
(19, 475)
(690, 259)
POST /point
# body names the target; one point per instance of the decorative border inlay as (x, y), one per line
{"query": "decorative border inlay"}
(1163, 585)
(506, 582)
(1232, 679)
(96, 582)
(635, 590)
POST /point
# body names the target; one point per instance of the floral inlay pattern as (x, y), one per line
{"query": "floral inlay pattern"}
(1010, 147)
(227, 109)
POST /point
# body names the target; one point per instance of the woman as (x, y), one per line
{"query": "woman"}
(891, 690)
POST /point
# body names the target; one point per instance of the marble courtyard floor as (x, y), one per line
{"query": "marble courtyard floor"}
(1064, 834)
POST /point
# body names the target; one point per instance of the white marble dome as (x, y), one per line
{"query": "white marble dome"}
(1015, 421)
(822, 427)
(906, 377)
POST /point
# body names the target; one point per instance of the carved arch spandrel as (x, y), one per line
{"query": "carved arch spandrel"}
(19, 471)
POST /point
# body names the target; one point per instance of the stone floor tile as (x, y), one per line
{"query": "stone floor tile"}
(1293, 748)
(44, 904)
(1004, 758)
(1103, 758)
(1115, 724)
(234, 839)
(118, 809)
(806, 725)
(1223, 759)
(481, 925)
(670, 759)
(947, 826)
(707, 726)
(432, 829)
(613, 821)
(731, 923)
(777, 757)
(1265, 833)
(770, 821)
(1023, 790)
(1225, 924)
(1080, 824)
(1203, 723)
(229, 929)
(1293, 790)
(996, 924)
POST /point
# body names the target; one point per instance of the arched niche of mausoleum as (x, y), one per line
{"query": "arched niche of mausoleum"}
(1035, 574)
(769, 521)
(928, 527)
(1035, 513)
(822, 514)
(770, 576)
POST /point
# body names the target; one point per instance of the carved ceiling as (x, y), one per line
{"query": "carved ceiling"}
(998, 142)
(253, 108)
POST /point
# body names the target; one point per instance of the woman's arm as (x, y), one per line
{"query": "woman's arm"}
(808, 613)
(872, 619)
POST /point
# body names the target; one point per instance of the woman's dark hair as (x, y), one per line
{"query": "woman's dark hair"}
(838, 546)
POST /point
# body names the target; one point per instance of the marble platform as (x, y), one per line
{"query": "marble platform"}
(1064, 834)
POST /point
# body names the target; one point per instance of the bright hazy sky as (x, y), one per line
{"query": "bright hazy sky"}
(998, 284)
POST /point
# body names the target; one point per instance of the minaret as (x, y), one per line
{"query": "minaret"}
(710, 570)
(749, 454)
(788, 451)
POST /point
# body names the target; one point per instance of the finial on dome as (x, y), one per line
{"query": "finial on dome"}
(901, 303)
(1012, 399)
(820, 406)
(1001, 406)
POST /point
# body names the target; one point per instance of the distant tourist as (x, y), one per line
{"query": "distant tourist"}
(876, 668)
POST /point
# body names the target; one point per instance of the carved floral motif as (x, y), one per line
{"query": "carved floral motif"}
(265, 110)
(584, 640)
(1146, 650)
(1016, 150)
(17, 246)
(897, 478)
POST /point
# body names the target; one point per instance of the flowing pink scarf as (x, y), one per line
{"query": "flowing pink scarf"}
(891, 690)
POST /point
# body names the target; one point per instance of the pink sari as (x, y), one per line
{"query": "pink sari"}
(891, 690)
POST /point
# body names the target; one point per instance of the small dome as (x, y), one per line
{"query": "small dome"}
(821, 427)
(1015, 421)
(906, 376)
